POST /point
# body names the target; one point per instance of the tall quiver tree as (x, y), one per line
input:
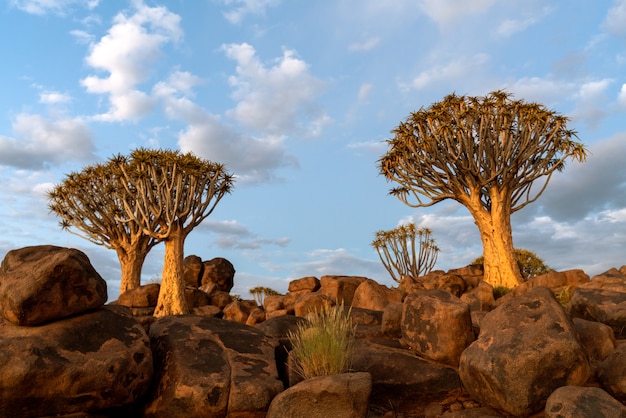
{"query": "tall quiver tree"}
(89, 204)
(168, 194)
(486, 153)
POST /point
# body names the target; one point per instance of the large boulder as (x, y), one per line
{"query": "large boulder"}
(45, 283)
(144, 296)
(597, 339)
(527, 347)
(338, 396)
(436, 325)
(88, 362)
(399, 375)
(604, 305)
(583, 402)
(374, 296)
(219, 271)
(210, 367)
(309, 283)
(340, 288)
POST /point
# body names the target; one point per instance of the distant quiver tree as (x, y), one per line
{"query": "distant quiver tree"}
(486, 153)
(168, 193)
(90, 205)
(406, 251)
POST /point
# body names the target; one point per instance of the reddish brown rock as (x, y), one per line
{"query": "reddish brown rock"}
(192, 270)
(391, 320)
(309, 283)
(597, 339)
(196, 298)
(236, 311)
(340, 395)
(219, 271)
(208, 367)
(46, 283)
(374, 296)
(340, 288)
(97, 360)
(436, 325)
(273, 303)
(145, 296)
(611, 372)
(601, 305)
(311, 302)
(583, 402)
(527, 348)
(480, 298)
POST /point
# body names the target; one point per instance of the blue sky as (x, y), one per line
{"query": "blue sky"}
(297, 98)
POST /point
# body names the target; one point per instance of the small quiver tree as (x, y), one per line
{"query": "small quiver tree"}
(406, 251)
(260, 292)
(486, 153)
(90, 204)
(168, 194)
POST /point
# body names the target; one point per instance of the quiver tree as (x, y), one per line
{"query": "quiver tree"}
(406, 251)
(89, 204)
(168, 194)
(486, 153)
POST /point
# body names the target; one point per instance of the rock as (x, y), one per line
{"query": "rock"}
(399, 375)
(220, 299)
(340, 288)
(219, 271)
(207, 310)
(597, 339)
(361, 316)
(256, 316)
(436, 325)
(480, 298)
(88, 362)
(46, 283)
(391, 320)
(450, 282)
(600, 305)
(527, 348)
(374, 296)
(612, 279)
(145, 296)
(196, 298)
(583, 402)
(273, 303)
(312, 302)
(210, 367)
(611, 373)
(192, 270)
(338, 396)
(472, 274)
(236, 311)
(309, 283)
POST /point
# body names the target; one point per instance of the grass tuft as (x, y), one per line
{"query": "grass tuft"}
(323, 344)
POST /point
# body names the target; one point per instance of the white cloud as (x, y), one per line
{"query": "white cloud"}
(364, 91)
(126, 53)
(58, 7)
(615, 21)
(274, 100)
(39, 142)
(242, 8)
(234, 235)
(621, 98)
(444, 12)
(366, 45)
(518, 24)
(54, 97)
(81, 36)
(458, 68)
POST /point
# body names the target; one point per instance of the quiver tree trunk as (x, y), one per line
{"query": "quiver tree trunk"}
(172, 294)
(131, 263)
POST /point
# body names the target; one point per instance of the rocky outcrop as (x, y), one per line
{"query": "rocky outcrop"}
(44, 283)
(219, 271)
(526, 349)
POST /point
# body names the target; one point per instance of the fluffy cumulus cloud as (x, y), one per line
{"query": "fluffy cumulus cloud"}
(39, 142)
(239, 9)
(59, 7)
(126, 53)
(276, 99)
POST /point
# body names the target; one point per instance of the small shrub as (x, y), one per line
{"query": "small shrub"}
(564, 296)
(500, 291)
(529, 264)
(323, 344)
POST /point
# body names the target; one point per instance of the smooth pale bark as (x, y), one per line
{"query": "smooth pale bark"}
(172, 294)
(500, 263)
